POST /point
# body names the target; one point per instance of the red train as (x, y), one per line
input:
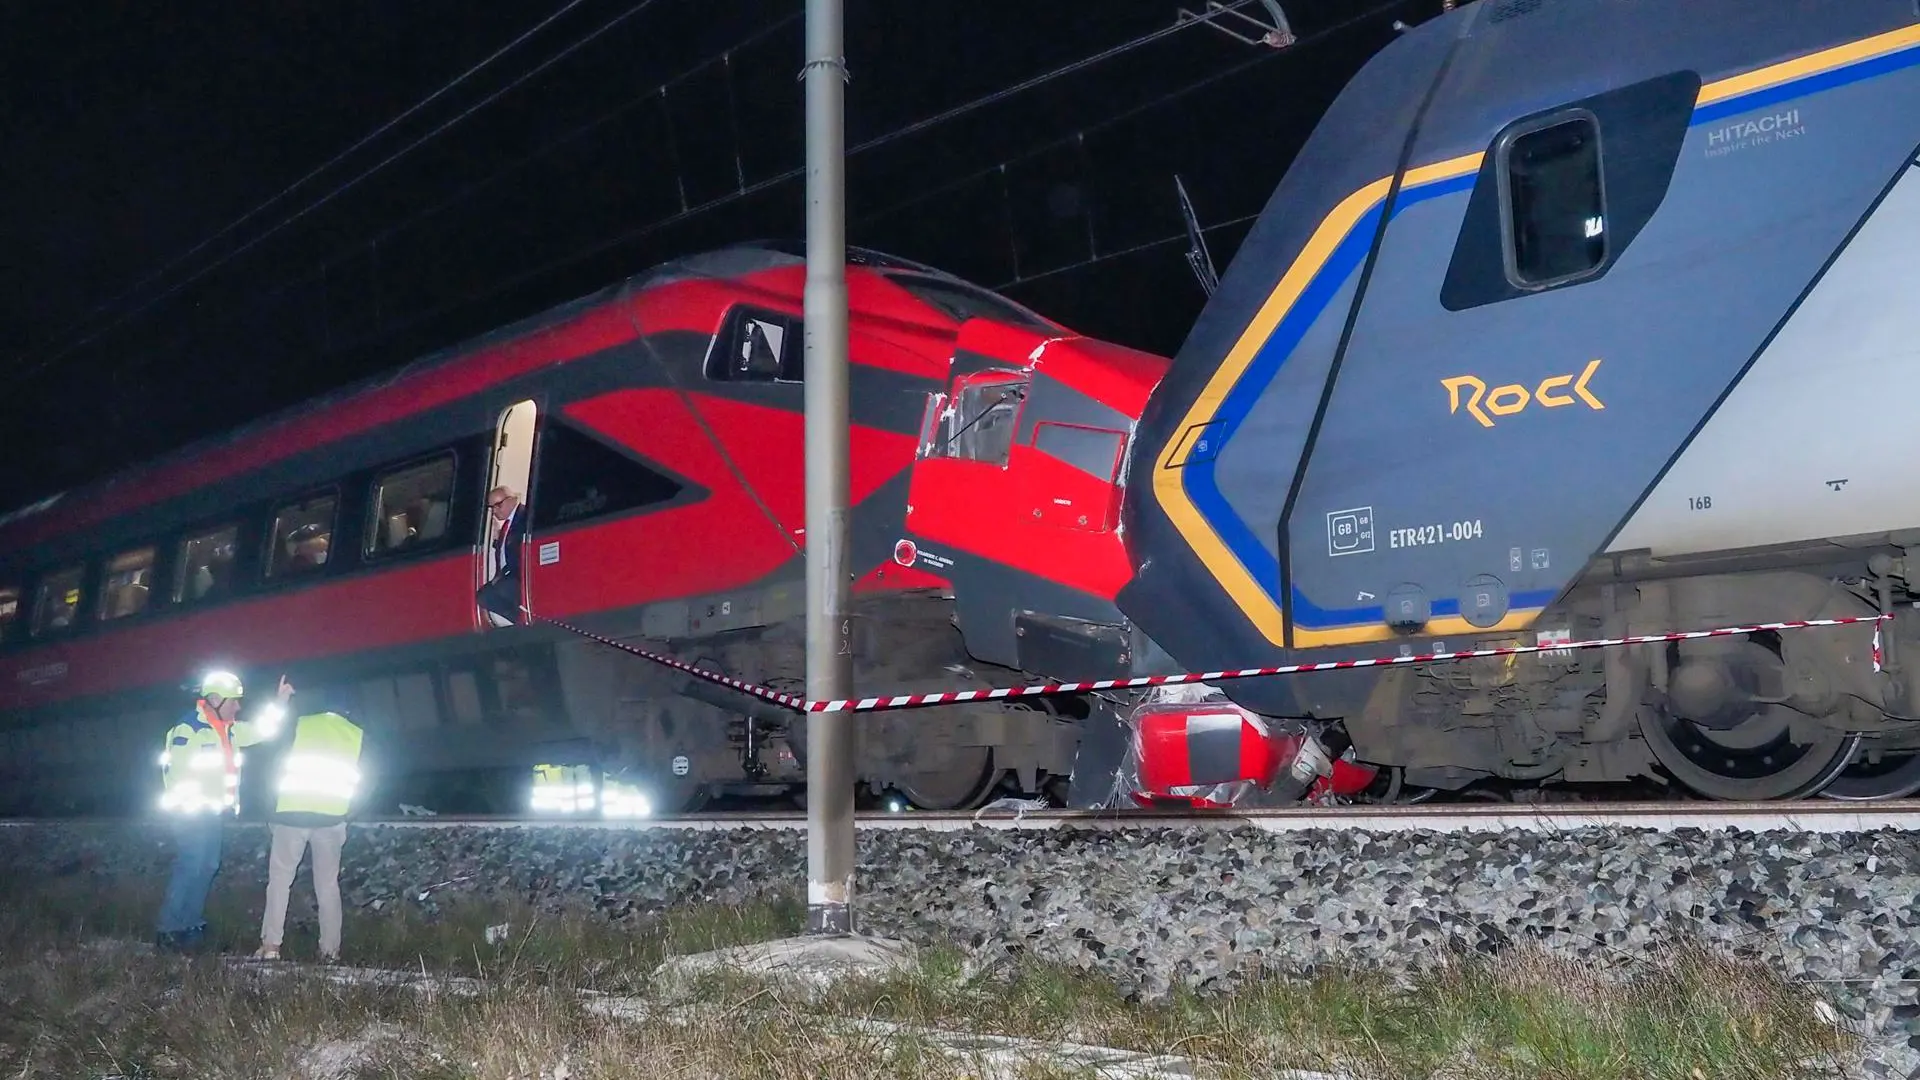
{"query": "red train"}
(655, 429)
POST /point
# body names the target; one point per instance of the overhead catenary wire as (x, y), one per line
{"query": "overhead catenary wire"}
(372, 243)
(919, 125)
(1094, 256)
(747, 189)
(1128, 113)
(342, 189)
(768, 183)
(1119, 253)
(382, 129)
(1027, 84)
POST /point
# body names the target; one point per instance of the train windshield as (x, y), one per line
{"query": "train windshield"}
(977, 423)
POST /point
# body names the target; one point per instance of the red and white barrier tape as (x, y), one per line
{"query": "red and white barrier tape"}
(798, 704)
(913, 701)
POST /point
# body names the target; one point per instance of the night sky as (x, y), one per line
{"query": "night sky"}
(134, 134)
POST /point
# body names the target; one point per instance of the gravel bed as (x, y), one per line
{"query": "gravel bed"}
(1153, 908)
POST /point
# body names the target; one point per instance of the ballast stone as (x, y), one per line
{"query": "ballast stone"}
(1155, 908)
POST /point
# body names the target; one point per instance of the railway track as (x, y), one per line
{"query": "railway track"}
(1812, 817)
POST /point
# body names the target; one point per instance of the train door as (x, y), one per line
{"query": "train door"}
(511, 467)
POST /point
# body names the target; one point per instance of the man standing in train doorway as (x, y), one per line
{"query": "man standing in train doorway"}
(200, 769)
(501, 596)
(319, 778)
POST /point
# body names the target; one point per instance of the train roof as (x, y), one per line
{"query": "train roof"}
(726, 262)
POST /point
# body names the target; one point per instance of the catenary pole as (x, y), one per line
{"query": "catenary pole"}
(830, 738)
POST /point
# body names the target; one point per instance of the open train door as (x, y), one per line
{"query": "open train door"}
(511, 466)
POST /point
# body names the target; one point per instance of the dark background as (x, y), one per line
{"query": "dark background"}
(131, 139)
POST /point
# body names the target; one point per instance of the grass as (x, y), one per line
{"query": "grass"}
(82, 996)
(571, 949)
(128, 1012)
(1522, 1014)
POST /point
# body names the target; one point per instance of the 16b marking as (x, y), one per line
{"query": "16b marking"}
(1421, 535)
(1699, 502)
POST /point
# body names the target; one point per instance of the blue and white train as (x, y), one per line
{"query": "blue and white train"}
(1573, 319)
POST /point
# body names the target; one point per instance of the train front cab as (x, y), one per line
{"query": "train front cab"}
(1017, 482)
(1015, 498)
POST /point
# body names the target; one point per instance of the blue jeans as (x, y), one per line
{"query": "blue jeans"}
(196, 861)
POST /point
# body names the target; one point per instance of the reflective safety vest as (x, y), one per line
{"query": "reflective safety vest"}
(562, 789)
(320, 770)
(619, 799)
(201, 759)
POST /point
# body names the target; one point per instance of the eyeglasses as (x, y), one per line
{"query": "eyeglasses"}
(495, 504)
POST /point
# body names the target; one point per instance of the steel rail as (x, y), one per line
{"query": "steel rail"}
(1808, 817)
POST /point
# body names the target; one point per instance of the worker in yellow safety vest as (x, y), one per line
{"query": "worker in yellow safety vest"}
(319, 778)
(562, 789)
(200, 771)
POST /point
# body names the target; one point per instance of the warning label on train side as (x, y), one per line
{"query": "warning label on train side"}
(908, 553)
(1546, 639)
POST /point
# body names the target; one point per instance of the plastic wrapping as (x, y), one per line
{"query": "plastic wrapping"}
(1212, 754)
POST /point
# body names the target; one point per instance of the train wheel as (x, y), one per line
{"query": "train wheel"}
(1894, 776)
(964, 785)
(1754, 762)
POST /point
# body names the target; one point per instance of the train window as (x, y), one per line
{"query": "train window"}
(302, 534)
(126, 584)
(932, 426)
(410, 506)
(963, 302)
(1553, 207)
(9, 612)
(581, 478)
(205, 566)
(758, 346)
(1092, 450)
(980, 423)
(1556, 214)
(58, 602)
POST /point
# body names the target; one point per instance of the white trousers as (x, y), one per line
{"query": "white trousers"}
(289, 844)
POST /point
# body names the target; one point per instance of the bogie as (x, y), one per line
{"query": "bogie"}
(1772, 715)
(687, 736)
